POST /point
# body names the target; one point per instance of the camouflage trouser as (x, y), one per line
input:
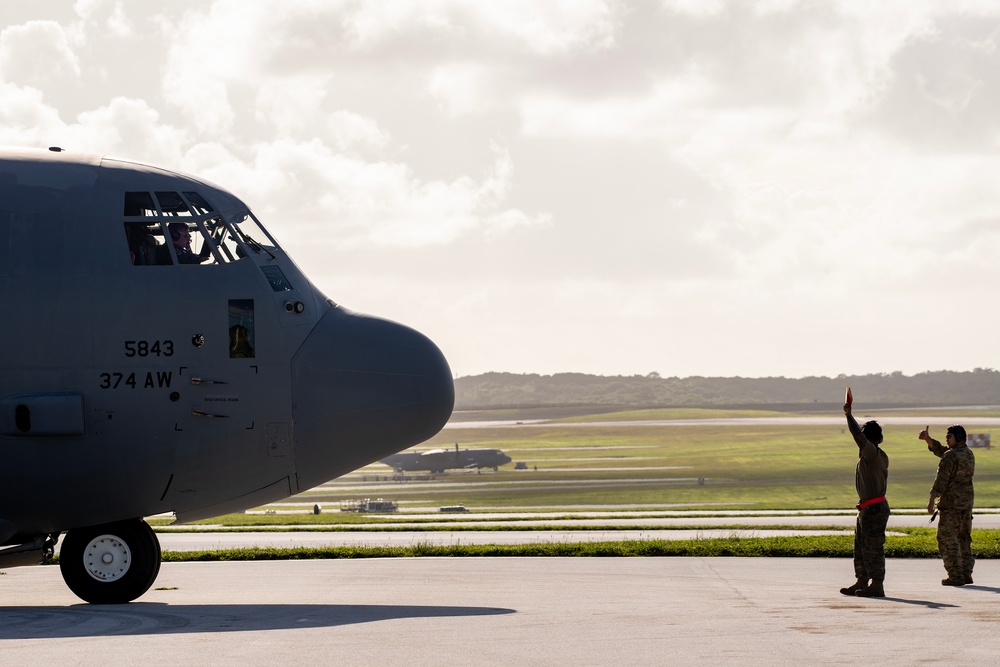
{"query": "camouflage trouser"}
(869, 542)
(954, 538)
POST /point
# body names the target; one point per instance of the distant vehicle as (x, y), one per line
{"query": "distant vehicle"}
(160, 352)
(454, 508)
(439, 460)
(369, 506)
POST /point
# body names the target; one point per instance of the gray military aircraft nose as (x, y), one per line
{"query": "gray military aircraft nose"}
(398, 392)
(190, 367)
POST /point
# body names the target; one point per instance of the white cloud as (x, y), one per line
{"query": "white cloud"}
(505, 222)
(201, 96)
(349, 130)
(553, 27)
(369, 24)
(37, 52)
(119, 24)
(550, 27)
(669, 110)
(808, 185)
(208, 52)
(334, 198)
(85, 9)
(702, 9)
(402, 211)
(292, 104)
(460, 88)
(25, 119)
(128, 128)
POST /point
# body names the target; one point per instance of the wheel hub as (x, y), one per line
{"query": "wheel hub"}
(107, 558)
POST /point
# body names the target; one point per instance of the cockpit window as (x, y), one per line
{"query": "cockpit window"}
(166, 227)
(247, 235)
(201, 206)
(139, 204)
(172, 204)
(144, 241)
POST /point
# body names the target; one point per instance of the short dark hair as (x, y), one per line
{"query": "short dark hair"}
(958, 432)
(873, 432)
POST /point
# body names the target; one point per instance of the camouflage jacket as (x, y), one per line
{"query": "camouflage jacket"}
(954, 476)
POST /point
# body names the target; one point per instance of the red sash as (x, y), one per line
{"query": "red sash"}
(870, 501)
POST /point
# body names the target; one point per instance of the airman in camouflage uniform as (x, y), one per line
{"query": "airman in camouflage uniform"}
(953, 489)
(871, 478)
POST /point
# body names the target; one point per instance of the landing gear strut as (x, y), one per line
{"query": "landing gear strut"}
(112, 563)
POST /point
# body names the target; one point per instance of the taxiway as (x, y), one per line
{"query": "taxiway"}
(507, 611)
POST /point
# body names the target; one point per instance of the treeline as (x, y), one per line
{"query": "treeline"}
(937, 388)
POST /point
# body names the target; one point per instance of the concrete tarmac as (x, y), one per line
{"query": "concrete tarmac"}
(508, 611)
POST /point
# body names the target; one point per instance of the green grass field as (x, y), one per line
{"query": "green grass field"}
(747, 466)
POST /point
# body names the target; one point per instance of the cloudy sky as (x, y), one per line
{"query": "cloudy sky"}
(691, 187)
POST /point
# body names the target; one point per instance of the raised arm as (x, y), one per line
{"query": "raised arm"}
(933, 446)
(859, 436)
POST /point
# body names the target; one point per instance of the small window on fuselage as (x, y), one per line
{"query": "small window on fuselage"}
(241, 329)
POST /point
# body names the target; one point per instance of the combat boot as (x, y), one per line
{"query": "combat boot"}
(859, 585)
(953, 582)
(968, 579)
(873, 590)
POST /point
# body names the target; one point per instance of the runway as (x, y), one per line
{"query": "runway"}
(884, 418)
(508, 611)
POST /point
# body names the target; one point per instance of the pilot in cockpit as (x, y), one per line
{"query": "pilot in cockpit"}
(180, 235)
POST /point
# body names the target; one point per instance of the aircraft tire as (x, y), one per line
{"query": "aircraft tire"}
(113, 563)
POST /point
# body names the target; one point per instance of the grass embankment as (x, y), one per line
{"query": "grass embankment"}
(917, 543)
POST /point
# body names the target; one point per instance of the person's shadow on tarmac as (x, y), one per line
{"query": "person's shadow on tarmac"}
(976, 587)
(942, 605)
(923, 603)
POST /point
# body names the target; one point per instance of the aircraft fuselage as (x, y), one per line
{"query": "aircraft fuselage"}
(439, 460)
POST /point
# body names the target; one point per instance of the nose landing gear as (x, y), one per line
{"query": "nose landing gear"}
(112, 563)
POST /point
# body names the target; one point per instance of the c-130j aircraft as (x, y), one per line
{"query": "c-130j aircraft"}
(159, 352)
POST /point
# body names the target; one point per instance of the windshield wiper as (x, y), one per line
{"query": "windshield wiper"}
(253, 244)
